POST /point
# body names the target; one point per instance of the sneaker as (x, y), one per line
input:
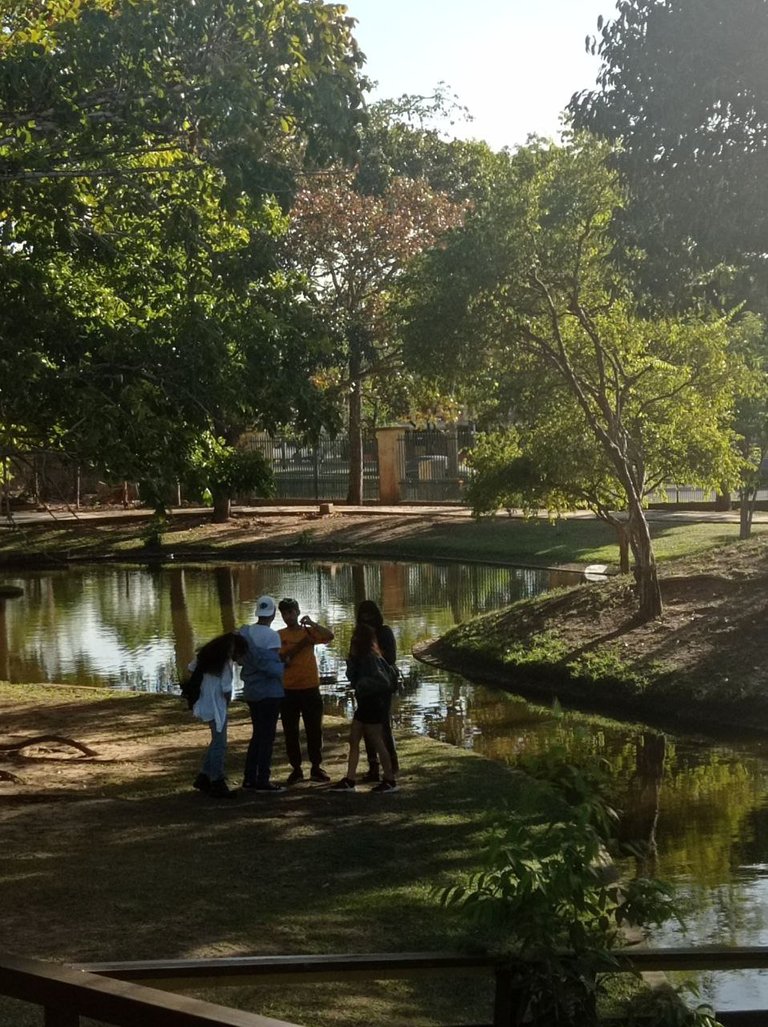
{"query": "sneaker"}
(296, 775)
(202, 782)
(318, 774)
(372, 775)
(385, 787)
(221, 790)
(345, 785)
(268, 786)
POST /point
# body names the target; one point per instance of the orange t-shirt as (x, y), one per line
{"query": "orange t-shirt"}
(302, 671)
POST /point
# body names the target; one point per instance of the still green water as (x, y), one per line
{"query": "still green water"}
(703, 802)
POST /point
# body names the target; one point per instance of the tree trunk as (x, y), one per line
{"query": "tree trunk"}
(723, 500)
(747, 498)
(355, 490)
(648, 591)
(222, 507)
(623, 540)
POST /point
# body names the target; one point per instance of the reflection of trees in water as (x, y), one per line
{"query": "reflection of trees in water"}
(183, 636)
(225, 589)
(468, 589)
(641, 810)
(707, 802)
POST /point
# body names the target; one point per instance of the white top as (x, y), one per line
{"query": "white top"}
(215, 690)
(260, 636)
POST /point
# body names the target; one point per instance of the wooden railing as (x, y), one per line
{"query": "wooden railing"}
(141, 994)
(66, 993)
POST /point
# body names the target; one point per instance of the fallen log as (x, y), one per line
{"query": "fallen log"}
(16, 747)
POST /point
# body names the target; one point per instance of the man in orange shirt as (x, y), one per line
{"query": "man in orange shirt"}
(301, 682)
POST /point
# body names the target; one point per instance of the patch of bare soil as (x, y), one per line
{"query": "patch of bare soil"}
(335, 532)
(103, 743)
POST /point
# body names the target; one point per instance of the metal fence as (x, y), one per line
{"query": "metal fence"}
(433, 469)
(433, 464)
(317, 471)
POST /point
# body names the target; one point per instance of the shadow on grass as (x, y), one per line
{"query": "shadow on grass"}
(145, 868)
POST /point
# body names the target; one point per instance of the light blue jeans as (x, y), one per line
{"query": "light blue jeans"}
(213, 764)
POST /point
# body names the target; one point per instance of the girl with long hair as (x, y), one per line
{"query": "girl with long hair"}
(373, 681)
(216, 661)
(369, 613)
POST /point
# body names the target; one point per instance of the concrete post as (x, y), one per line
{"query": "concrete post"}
(391, 448)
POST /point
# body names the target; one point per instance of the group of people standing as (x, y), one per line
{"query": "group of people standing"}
(281, 681)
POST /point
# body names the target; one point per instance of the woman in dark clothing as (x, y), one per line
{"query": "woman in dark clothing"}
(372, 679)
(369, 613)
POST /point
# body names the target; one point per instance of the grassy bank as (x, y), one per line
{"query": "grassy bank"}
(424, 535)
(702, 663)
(114, 857)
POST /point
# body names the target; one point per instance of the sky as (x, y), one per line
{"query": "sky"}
(513, 63)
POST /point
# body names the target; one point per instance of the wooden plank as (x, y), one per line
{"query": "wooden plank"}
(242, 970)
(704, 957)
(382, 966)
(64, 990)
(746, 1018)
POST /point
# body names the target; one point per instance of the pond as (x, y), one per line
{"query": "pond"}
(703, 801)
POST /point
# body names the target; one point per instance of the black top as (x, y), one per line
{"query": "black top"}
(387, 644)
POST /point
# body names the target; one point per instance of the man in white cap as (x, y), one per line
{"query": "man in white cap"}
(262, 674)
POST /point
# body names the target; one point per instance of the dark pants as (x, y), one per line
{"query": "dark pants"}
(305, 704)
(389, 741)
(258, 759)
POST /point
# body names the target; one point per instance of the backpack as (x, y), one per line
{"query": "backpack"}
(381, 682)
(190, 689)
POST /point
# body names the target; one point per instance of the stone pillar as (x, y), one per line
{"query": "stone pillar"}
(391, 448)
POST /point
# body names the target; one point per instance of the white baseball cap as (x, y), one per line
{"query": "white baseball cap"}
(265, 607)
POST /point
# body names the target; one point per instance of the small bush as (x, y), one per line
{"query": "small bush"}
(549, 897)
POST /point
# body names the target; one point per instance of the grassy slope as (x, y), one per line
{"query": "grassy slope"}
(702, 663)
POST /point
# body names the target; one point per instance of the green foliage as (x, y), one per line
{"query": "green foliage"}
(607, 664)
(156, 526)
(682, 89)
(224, 470)
(663, 1007)
(237, 470)
(142, 145)
(540, 647)
(492, 462)
(607, 402)
(250, 88)
(550, 898)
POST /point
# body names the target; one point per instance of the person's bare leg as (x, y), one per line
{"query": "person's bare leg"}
(375, 732)
(355, 734)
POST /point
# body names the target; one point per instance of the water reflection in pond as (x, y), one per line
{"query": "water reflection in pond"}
(703, 803)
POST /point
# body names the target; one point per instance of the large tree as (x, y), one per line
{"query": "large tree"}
(683, 90)
(354, 246)
(142, 148)
(257, 89)
(529, 283)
